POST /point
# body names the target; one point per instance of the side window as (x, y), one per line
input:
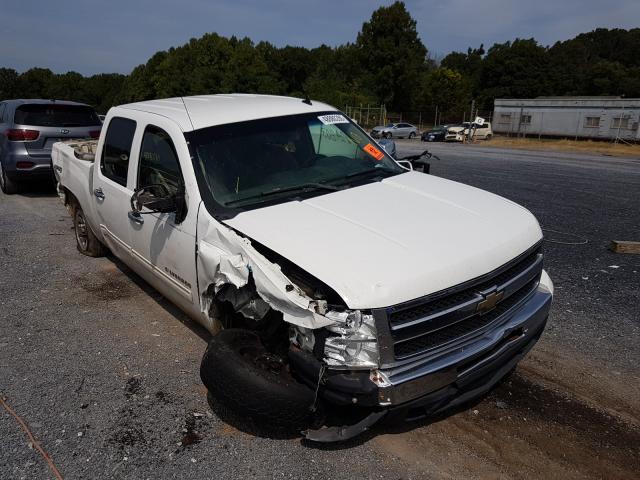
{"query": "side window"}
(158, 164)
(117, 149)
(2, 109)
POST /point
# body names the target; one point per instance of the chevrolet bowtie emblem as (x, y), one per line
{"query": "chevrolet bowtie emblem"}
(489, 302)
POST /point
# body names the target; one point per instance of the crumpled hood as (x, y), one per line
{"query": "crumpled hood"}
(391, 241)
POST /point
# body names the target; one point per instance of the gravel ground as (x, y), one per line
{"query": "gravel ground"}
(105, 371)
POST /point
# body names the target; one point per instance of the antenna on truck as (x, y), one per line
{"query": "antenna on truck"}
(306, 100)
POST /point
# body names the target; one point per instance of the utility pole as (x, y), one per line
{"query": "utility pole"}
(620, 120)
(435, 120)
(473, 107)
(519, 123)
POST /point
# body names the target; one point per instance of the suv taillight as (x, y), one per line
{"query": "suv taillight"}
(94, 133)
(22, 135)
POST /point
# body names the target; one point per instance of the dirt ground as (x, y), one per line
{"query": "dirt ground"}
(104, 370)
(564, 145)
(533, 427)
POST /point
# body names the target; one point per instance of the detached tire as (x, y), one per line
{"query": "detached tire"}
(249, 381)
(86, 241)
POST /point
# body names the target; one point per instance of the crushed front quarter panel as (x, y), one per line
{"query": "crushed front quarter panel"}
(224, 257)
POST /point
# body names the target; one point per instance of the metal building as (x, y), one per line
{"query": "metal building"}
(572, 117)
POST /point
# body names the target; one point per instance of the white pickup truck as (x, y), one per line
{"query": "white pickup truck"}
(328, 272)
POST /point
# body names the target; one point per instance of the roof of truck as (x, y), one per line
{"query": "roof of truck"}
(201, 111)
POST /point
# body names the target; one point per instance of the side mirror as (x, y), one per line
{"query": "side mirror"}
(157, 198)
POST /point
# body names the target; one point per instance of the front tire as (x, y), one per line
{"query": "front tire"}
(86, 241)
(8, 186)
(241, 374)
(412, 135)
(388, 135)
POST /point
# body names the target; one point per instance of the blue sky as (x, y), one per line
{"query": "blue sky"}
(92, 36)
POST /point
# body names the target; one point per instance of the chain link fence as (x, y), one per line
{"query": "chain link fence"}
(369, 116)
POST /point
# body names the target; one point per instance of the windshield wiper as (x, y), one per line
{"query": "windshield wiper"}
(304, 187)
(377, 171)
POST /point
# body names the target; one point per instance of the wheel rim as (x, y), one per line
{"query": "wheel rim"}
(81, 230)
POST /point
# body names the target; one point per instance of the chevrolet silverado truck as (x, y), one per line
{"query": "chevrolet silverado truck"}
(329, 274)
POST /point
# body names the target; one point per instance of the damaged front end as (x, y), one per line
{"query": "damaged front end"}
(246, 285)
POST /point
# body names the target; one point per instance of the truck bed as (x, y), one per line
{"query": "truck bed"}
(73, 162)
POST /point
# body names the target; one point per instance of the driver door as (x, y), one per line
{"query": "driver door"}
(164, 249)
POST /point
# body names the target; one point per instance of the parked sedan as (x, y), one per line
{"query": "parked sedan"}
(436, 134)
(29, 128)
(395, 130)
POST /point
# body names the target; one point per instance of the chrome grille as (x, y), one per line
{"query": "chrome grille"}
(451, 316)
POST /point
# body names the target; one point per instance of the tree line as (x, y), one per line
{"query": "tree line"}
(386, 64)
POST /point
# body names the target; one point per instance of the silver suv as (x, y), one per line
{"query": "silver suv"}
(28, 129)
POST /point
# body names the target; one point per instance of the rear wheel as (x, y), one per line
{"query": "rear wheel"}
(86, 241)
(7, 185)
(488, 137)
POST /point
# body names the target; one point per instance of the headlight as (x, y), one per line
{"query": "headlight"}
(355, 344)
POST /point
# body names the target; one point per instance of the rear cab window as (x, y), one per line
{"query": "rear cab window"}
(114, 162)
(56, 115)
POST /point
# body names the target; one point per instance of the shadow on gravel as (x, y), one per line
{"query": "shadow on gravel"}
(515, 397)
(167, 305)
(37, 189)
(246, 425)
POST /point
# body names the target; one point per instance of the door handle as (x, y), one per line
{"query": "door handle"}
(99, 193)
(135, 217)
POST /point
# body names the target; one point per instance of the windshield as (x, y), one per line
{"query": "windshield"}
(249, 163)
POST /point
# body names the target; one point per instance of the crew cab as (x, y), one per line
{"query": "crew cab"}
(326, 271)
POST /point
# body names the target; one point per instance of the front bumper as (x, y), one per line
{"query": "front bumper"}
(458, 137)
(437, 383)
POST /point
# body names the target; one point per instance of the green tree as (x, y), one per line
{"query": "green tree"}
(447, 89)
(247, 72)
(392, 56)
(518, 69)
(9, 87)
(36, 83)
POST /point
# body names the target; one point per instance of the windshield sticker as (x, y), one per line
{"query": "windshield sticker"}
(373, 151)
(331, 119)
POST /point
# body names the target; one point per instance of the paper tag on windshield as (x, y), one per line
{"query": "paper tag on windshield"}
(373, 151)
(331, 119)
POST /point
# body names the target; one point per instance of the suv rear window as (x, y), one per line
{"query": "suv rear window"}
(56, 115)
